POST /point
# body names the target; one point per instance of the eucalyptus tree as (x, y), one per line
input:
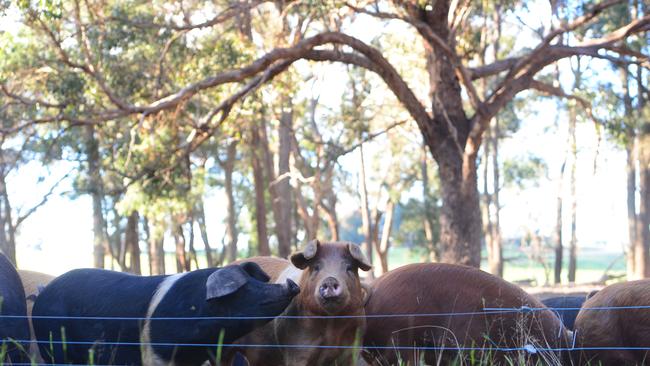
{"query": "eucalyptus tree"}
(453, 126)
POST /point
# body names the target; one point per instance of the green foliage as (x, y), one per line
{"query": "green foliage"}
(522, 171)
(50, 9)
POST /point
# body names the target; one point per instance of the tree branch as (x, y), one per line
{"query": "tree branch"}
(559, 92)
(26, 215)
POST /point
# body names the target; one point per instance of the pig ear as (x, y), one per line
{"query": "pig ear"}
(359, 257)
(224, 281)
(255, 271)
(300, 259)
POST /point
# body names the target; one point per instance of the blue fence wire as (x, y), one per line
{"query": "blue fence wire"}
(485, 311)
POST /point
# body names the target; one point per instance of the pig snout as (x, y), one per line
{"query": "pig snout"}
(330, 289)
(292, 287)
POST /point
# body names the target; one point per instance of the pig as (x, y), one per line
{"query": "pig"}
(458, 294)
(597, 326)
(131, 310)
(33, 284)
(14, 328)
(566, 307)
(328, 274)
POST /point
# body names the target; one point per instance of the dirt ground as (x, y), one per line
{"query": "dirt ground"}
(574, 290)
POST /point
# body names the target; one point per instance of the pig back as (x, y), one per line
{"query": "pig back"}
(454, 297)
(616, 317)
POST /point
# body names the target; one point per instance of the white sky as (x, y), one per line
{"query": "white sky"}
(601, 196)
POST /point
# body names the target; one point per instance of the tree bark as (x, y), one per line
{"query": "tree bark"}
(96, 191)
(132, 243)
(460, 215)
(260, 187)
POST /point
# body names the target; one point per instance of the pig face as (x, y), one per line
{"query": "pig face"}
(330, 280)
(243, 291)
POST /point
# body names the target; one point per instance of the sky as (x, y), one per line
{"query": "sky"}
(601, 194)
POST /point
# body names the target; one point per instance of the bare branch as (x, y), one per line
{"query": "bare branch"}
(515, 64)
(46, 197)
(366, 139)
(492, 69)
(29, 101)
(559, 92)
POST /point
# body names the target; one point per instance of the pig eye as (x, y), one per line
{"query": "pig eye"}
(349, 268)
(316, 267)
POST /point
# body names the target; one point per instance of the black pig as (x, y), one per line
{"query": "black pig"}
(14, 327)
(566, 307)
(135, 303)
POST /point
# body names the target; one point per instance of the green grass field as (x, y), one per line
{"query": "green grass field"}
(518, 268)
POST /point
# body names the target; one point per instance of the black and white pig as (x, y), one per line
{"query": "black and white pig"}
(14, 327)
(196, 301)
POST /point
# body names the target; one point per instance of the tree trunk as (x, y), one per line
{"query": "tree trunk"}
(630, 167)
(384, 245)
(642, 247)
(573, 244)
(308, 223)
(365, 210)
(332, 221)
(132, 243)
(182, 264)
(643, 237)
(496, 266)
(283, 186)
(460, 215)
(156, 250)
(96, 190)
(260, 187)
(193, 255)
(116, 243)
(232, 234)
(434, 254)
(7, 229)
(559, 249)
(487, 196)
(200, 218)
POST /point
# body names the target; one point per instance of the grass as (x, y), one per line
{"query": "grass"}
(518, 268)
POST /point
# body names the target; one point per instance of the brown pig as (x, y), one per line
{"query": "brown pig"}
(458, 295)
(329, 288)
(33, 283)
(624, 326)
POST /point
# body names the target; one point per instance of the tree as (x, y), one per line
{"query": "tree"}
(453, 130)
